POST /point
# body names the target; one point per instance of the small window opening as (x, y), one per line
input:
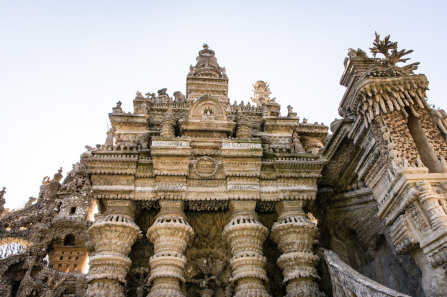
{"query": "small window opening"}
(72, 210)
(69, 240)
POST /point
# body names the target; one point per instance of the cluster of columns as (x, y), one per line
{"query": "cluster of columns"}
(115, 233)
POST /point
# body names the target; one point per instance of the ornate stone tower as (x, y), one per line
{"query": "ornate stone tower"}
(397, 149)
(182, 158)
(207, 77)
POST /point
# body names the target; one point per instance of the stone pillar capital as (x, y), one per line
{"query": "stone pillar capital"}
(242, 207)
(113, 236)
(289, 207)
(120, 207)
(171, 207)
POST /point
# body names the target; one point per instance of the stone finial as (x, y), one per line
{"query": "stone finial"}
(2, 200)
(162, 92)
(179, 97)
(118, 108)
(352, 53)
(261, 93)
(58, 176)
(110, 135)
(391, 55)
(163, 97)
(207, 65)
(290, 112)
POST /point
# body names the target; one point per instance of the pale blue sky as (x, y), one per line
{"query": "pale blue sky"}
(64, 64)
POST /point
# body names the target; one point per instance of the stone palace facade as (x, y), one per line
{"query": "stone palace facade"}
(198, 196)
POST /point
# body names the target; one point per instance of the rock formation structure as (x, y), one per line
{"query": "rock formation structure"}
(200, 197)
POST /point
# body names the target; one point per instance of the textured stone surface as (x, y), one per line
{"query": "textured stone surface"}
(198, 196)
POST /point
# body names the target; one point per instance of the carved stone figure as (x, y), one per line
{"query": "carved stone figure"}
(163, 97)
(179, 97)
(261, 93)
(31, 200)
(297, 146)
(110, 136)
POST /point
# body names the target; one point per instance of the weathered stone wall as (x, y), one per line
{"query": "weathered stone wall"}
(400, 135)
(434, 136)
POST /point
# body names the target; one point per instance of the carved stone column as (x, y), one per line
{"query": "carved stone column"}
(294, 233)
(430, 201)
(245, 236)
(113, 236)
(167, 125)
(243, 128)
(170, 234)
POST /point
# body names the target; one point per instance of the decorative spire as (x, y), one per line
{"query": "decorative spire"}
(392, 55)
(261, 93)
(207, 64)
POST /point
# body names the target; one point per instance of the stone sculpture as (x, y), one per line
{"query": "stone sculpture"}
(200, 197)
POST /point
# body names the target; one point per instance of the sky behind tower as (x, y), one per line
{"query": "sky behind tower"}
(65, 64)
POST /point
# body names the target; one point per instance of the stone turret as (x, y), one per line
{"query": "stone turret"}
(206, 78)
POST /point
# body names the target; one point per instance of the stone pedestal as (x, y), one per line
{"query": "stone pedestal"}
(245, 236)
(113, 235)
(294, 233)
(170, 234)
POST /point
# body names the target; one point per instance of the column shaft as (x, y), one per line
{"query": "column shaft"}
(170, 234)
(295, 233)
(245, 236)
(113, 235)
